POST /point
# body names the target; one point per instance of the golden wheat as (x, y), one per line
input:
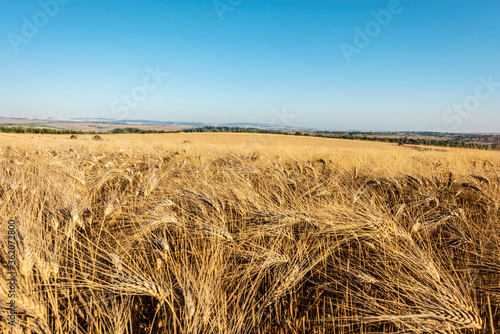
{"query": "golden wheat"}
(207, 233)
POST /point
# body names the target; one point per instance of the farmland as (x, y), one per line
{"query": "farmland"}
(248, 233)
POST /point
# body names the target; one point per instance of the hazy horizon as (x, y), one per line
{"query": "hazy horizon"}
(340, 65)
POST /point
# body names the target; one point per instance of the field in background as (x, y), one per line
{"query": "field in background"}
(89, 126)
(225, 141)
(240, 233)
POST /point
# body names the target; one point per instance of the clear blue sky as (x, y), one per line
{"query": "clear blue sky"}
(255, 61)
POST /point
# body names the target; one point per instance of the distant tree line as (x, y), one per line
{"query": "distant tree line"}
(136, 130)
(21, 129)
(235, 129)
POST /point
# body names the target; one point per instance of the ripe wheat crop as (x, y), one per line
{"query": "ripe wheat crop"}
(248, 234)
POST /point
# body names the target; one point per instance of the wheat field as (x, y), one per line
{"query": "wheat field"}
(238, 233)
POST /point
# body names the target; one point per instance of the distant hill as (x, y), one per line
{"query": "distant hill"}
(105, 124)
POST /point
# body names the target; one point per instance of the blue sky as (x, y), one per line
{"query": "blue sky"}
(424, 65)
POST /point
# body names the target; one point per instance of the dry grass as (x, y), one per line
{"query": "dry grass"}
(249, 234)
